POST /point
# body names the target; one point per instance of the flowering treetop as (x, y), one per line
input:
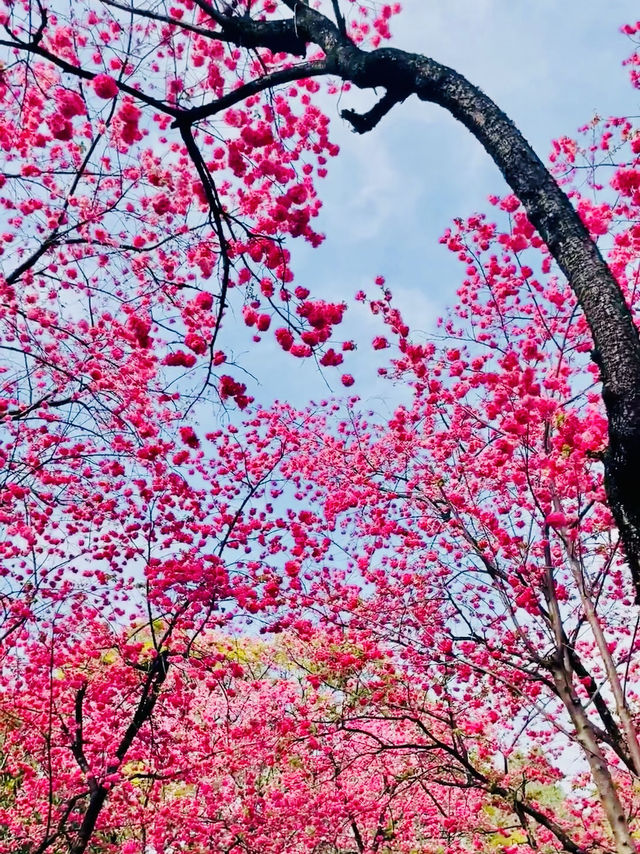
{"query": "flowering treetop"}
(448, 597)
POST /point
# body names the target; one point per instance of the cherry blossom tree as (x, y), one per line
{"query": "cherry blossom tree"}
(245, 52)
(261, 766)
(450, 600)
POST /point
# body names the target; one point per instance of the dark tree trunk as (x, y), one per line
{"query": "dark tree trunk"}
(149, 696)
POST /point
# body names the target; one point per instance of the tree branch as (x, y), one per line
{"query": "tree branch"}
(340, 21)
(260, 84)
(150, 692)
(364, 122)
(279, 36)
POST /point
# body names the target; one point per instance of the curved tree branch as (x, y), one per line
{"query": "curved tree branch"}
(617, 345)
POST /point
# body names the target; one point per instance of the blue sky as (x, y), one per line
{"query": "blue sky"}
(390, 194)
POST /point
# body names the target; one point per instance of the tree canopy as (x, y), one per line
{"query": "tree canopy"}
(314, 629)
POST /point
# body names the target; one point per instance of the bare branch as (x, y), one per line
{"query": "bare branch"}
(364, 122)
